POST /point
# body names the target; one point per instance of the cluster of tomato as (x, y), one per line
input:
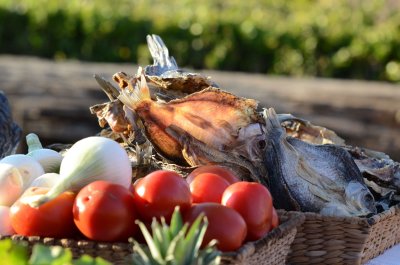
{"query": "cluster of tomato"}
(237, 211)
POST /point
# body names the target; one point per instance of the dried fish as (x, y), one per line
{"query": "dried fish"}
(316, 178)
(308, 132)
(110, 113)
(190, 122)
(213, 117)
(381, 173)
(166, 74)
(10, 132)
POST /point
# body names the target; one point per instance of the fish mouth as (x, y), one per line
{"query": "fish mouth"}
(357, 200)
(360, 199)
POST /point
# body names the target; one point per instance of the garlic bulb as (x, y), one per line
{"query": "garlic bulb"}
(5, 223)
(11, 184)
(90, 159)
(49, 159)
(47, 180)
(28, 168)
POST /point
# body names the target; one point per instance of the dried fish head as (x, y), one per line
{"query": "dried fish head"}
(316, 178)
(358, 201)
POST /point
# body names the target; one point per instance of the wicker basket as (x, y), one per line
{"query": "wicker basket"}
(344, 240)
(272, 249)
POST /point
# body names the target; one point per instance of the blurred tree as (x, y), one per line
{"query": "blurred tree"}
(341, 38)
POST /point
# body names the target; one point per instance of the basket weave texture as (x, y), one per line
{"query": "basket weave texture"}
(344, 240)
(272, 249)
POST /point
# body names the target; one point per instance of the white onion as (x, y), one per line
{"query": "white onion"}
(5, 222)
(90, 159)
(49, 159)
(11, 184)
(47, 180)
(27, 166)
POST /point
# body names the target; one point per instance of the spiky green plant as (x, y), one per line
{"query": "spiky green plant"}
(176, 244)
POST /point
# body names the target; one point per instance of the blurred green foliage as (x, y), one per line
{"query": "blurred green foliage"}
(330, 38)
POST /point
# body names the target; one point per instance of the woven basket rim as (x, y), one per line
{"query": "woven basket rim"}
(368, 221)
(293, 220)
(65, 241)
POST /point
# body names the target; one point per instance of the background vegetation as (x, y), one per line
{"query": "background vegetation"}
(330, 38)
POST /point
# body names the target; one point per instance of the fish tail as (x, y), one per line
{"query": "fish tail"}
(144, 91)
(271, 120)
(135, 92)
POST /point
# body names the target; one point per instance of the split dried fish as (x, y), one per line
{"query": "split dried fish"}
(216, 119)
(316, 178)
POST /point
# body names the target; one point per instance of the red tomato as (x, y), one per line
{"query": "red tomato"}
(224, 225)
(254, 202)
(222, 171)
(105, 211)
(275, 219)
(159, 192)
(52, 219)
(208, 187)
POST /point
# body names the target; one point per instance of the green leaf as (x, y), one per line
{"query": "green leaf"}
(194, 237)
(155, 253)
(12, 253)
(176, 222)
(88, 260)
(177, 244)
(161, 239)
(140, 256)
(55, 255)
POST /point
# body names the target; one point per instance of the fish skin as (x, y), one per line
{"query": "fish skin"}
(380, 172)
(315, 178)
(308, 132)
(10, 132)
(242, 158)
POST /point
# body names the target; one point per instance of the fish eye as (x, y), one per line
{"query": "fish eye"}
(261, 144)
(369, 199)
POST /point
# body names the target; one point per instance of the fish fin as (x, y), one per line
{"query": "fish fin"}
(111, 91)
(144, 90)
(320, 193)
(184, 139)
(162, 61)
(135, 92)
(175, 132)
(271, 120)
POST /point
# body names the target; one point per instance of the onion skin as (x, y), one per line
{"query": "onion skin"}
(90, 159)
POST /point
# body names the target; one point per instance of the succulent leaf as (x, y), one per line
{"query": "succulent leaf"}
(175, 244)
